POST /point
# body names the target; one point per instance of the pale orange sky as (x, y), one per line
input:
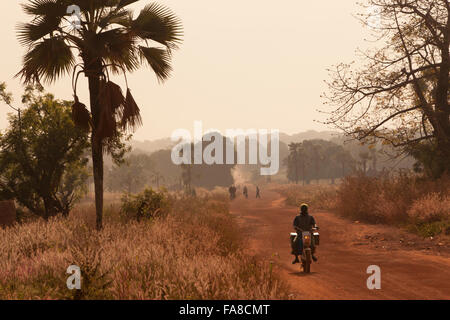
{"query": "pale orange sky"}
(243, 64)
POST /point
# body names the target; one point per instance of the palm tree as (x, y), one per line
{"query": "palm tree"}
(317, 157)
(108, 39)
(298, 157)
(342, 157)
(293, 159)
(157, 178)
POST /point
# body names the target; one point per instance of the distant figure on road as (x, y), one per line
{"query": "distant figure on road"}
(245, 192)
(232, 191)
(258, 195)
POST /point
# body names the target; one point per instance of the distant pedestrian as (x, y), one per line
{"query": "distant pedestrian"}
(245, 192)
(258, 195)
(232, 191)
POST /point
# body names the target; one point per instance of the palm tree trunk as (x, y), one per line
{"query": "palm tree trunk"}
(97, 147)
(46, 208)
(97, 163)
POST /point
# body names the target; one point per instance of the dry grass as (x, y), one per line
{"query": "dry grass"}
(420, 205)
(194, 253)
(430, 215)
(319, 196)
(430, 208)
(397, 200)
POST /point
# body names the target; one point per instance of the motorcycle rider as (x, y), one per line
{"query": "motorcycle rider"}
(304, 222)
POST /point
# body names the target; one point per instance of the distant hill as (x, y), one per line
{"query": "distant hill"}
(308, 135)
(208, 176)
(150, 146)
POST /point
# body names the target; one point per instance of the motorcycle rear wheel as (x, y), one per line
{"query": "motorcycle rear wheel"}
(307, 262)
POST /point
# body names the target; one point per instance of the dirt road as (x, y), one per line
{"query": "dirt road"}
(345, 252)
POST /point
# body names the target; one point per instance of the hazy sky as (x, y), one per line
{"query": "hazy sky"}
(243, 64)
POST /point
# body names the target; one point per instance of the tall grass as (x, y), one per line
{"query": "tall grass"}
(421, 205)
(397, 200)
(195, 252)
(316, 196)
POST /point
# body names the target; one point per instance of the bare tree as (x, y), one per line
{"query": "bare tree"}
(400, 93)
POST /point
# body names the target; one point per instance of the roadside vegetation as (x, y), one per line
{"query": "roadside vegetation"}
(393, 100)
(43, 155)
(110, 39)
(192, 249)
(318, 196)
(419, 204)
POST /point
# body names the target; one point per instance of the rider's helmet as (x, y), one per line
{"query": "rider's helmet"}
(303, 208)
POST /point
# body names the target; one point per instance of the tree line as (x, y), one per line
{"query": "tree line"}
(317, 159)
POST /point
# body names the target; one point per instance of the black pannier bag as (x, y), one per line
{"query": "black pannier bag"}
(316, 237)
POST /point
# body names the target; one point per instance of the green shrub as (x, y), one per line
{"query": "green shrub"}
(148, 204)
(430, 229)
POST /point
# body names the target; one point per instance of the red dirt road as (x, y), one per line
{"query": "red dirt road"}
(346, 250)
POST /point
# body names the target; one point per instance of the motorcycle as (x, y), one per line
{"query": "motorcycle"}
(307, 237)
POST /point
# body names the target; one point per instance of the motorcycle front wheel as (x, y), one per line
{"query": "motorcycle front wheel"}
(306, 262)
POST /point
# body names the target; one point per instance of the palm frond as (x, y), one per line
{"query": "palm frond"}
(111, 102)
(47, 60)
(114, 16)
(27, 33)
(117, 47)
(131, 115)
(80, 115)
(87, 5)
(47, 8)
(158, 59)
(158, 23)
(124, 3)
